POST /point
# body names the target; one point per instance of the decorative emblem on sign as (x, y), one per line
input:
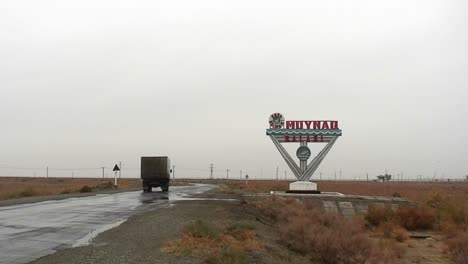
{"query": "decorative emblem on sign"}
(303, 153)
(276, 120)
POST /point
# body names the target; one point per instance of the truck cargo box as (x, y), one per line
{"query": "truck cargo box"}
(155, 172)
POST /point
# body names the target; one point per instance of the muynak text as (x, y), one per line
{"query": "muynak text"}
(312, 125)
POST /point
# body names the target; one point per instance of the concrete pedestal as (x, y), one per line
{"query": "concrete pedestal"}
(303, 187)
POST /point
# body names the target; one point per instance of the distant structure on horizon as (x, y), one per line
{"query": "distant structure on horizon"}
(384, 178)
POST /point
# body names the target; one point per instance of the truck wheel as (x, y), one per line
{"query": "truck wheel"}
(165, 188)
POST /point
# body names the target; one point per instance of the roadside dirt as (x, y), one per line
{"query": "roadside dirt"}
(141, 237)
(36, 199)
(431, 250)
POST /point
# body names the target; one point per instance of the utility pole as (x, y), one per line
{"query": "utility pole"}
(227, 174)
(335, 175)
(173, 172)
(367, 175)
(47, 169)
(103, 172)
(277, 170)
(211, 171)
(120, 171)
(340, 174)
(284, 175)
(240, 175)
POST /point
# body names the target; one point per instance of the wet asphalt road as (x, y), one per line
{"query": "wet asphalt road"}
(30, 231)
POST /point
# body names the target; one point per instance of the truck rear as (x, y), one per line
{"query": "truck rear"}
(155, 172)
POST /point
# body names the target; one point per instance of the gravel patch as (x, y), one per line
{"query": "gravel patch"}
(139, 239)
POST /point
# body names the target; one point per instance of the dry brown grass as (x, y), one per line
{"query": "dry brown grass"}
(16, 187)
(441, 207)
(438, 210)
(410, 218)
(414, 191)
(327, 238)
(212, 245)
(254, 186)
(458, 248)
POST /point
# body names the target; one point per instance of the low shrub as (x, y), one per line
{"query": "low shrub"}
(329, 238)
(241, 230)
(104, 185)
(448, 208)
(400, 234)
(28, 192)
(377, 214)
(241, 226)
(228, 246)
(86, 189)
(228, 256)
(458, 248)
(413, 218)
(200, 229)
(449, 229)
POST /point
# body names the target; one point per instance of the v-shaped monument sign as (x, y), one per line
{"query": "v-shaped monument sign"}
(302, 132)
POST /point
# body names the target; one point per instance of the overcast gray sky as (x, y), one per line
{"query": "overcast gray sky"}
(85, 84)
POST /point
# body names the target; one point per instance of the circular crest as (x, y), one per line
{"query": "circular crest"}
(276, 120)
(303, 153)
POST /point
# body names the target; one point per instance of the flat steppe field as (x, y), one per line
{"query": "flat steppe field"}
(18, 187)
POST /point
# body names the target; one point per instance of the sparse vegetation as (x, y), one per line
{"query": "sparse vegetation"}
(458, 248)
(438, 211)
(28, 192)
(200, 229)
(86, 189)
(411, 218)
(326, 238)
(105, 186)
(215, 245)
(17, 187)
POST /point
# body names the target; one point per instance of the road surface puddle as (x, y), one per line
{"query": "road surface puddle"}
(86, 240)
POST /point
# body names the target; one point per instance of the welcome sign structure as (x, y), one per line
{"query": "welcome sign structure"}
(303, 132)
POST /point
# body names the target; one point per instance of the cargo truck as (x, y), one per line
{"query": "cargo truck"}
(155, 172)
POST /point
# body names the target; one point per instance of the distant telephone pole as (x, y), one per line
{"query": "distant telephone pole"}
(120, 171)
(173, 172)
(47, 169)
(103, 172)
(227, 174)
(277, 171)
(240, 175)
(211, 171)
(284, 175)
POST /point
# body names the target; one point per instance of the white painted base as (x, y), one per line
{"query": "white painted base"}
(303, 186)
